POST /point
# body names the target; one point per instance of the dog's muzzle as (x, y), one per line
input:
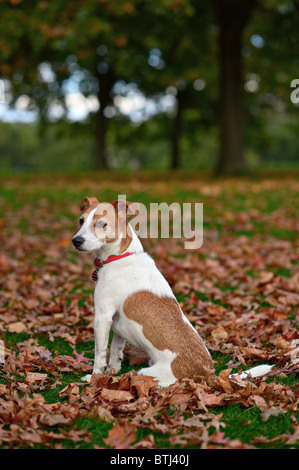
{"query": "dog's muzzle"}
(77, 242)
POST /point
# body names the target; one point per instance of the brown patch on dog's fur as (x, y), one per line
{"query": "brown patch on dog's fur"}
(111, 217)
(87, 212)
(87, 202)
(125, 241)
(163, 325)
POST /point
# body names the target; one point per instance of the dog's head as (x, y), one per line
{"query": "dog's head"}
(104, 223)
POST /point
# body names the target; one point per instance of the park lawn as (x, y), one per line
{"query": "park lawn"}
(240, 290)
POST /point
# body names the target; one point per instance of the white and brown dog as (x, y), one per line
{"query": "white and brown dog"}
(133, 298)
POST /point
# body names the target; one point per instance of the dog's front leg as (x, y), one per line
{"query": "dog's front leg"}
(102, 326)
(116, 353)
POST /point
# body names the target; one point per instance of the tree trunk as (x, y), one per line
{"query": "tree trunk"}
(101, 131)
(233, 16)
(106, 82)
(176, 134)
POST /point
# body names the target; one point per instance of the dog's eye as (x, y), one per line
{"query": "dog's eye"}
(81, 221)
(101, 224)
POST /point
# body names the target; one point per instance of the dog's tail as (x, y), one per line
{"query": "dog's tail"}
(258, 371)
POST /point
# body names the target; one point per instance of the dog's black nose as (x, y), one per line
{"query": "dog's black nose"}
(77, 241)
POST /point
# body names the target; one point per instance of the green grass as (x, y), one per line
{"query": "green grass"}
(246, 424)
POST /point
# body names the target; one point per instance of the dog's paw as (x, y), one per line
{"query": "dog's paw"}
(86, 378)
(116, 366)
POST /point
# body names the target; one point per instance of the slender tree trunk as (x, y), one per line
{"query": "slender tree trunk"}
(106, 82)
(101, 131)
(176, 134)
(233, 16)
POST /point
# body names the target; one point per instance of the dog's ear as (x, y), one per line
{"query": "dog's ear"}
(87, 202)
(126, 208)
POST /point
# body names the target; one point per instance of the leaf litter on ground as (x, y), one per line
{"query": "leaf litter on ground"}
(240, 291)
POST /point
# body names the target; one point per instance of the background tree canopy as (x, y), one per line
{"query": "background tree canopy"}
(140, 83)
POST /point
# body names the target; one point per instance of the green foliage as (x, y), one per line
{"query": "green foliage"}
(160, 47)
(69, 147)
(24, 149)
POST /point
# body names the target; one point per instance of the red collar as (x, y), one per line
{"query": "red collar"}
(99, 264)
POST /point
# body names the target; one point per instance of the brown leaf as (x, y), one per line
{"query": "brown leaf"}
(259, 401)
(71, 390)
(219, 334)
(116, 396)
(17, 327)
(104, 414)
(143, 384)
(146, 443)
(136, 356)
(211, 399)
(31, 437)
(121, 436)
(293, 438)
(32, 377)
(54, 419)
(265, 415)
(251, 352)
(225, 381)
(265, 277)
(180, 401)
